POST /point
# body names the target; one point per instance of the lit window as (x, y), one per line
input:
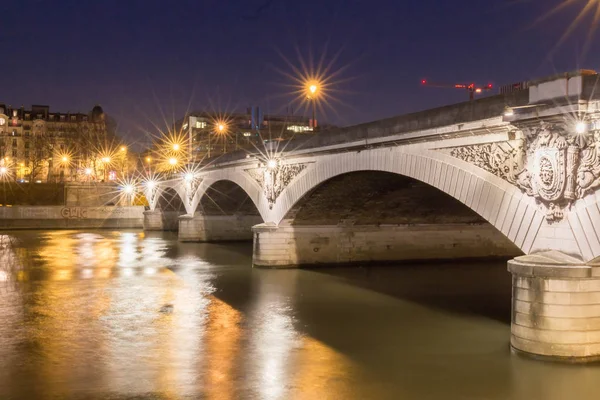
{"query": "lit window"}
(299, 128)
(200, 124)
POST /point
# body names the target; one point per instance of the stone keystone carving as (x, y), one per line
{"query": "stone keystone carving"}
(273, 180)
(550, 164)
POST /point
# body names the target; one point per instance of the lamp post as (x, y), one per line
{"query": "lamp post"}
(105, 162)
(312, 93)
(221, 128)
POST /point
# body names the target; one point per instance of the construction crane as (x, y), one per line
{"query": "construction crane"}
(469, 87)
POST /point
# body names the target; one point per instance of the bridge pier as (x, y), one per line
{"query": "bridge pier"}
(288, 246)
(555, 307)
(216, 228)
(159, 220)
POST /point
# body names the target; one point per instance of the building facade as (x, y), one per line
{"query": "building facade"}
(38, 145)
(211, 134)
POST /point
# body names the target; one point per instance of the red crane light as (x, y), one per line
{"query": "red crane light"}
(469, 87)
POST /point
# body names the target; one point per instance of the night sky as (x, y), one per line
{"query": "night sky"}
(138, 58)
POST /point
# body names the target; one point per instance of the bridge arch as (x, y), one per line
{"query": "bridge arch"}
(224, 197)
(495, 200)
(251, 188)
(169, 198)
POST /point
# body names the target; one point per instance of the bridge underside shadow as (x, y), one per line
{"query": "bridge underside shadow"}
(225, 213)
(165, 217)
(369, 216)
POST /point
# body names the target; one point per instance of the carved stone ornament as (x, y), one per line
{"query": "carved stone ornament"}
(190, 190)
(274, 180)
(549, 164)
(151, 194)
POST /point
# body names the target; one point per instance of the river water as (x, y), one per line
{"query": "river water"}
(117, 315)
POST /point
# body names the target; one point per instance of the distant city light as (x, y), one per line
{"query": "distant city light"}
(123, 148)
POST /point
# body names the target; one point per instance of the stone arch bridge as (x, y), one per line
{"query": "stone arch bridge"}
(525, 166)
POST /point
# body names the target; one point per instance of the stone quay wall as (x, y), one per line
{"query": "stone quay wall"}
(289, 246)
(62, 217)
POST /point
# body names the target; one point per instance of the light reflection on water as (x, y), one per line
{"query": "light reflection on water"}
(94, 315)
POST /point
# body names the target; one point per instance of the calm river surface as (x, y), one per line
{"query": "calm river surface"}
(115, 315)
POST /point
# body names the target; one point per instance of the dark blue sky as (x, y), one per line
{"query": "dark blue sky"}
(136, 58)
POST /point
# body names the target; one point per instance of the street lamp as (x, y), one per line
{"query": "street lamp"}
(173, 161)
(105, 161)
(580, 128)
(176, 146)
(312, 94)
(221, 129)
(271, 164)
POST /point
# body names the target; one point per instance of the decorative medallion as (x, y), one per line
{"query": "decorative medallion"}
(274, 177)
(550, 165)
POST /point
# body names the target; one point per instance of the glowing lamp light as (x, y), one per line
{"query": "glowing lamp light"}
(423, 82)
(313, 88)
(176, 146)
(188, 177)
(105, 159)
(64, 159)
(580, 127)
(478, 90)
(3, 170)
(150, 184)
(221, 127)
(271, 164)
(123, 148)
(88, 171)
(128, 189)
(148, 159)
(509, 112)
(173, 161)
